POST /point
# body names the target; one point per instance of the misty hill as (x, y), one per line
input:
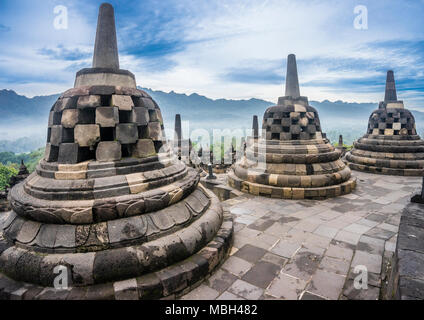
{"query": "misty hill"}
(23, 120)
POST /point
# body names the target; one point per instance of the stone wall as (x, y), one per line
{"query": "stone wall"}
(407, 278)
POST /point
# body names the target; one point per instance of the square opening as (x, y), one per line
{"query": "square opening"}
(158, 145)
(143, 132)
(67, 135)
(295, 137)
(126, 150)
(85, 154)
(106, 101)
(125, 116)
(49, 134)
(389, 125)
(276, 121)
(87, 116)
(107, 134)
(57, 118)
(286, 129)
(275, 136)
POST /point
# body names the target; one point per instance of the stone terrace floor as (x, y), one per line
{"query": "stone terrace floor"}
(292, 249)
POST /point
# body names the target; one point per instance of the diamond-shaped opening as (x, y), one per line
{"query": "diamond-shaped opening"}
(158, 145)
(107, 134)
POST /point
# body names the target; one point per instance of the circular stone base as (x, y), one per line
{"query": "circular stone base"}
(320, 193)
(386, 171)
(170, 282)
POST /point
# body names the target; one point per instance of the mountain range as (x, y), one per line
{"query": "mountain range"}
(23, 120)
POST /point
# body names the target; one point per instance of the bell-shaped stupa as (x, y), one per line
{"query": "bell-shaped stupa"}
(391, 145)
(110, 207)
(293, 159)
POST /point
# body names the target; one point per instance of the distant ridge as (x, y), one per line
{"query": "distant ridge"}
(26, 117)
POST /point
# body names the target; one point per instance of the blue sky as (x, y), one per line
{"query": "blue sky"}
(223, 49)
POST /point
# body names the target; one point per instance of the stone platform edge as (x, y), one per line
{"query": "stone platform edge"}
(169, 283)
(406, 281)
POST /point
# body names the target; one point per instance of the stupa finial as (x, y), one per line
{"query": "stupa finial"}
(292, 80)
(106, 47)
(390, 94)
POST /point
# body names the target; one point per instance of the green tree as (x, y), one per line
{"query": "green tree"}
(6, 172)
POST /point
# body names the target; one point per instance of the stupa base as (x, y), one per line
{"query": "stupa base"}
(320, 193)
(385, 171)
(170, 282)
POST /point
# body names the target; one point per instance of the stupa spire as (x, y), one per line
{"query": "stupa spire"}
(106, 46)
(390, 94)
(292, 80)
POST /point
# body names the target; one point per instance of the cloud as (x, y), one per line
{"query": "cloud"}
(62, 53)
(226, 49)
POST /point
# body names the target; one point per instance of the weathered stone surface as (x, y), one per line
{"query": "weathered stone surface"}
(124, 103)
(155, 131)
(141, 116)
(70, 118)
(107, 117)
(87, 135)
(126, 133)
(108, 151)
(144, 148)
(92, 101)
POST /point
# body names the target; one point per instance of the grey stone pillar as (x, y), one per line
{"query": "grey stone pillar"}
(340, 141)
(390, 94)
(255, 127)
(106, 46)
(178, 130)
(292, 80)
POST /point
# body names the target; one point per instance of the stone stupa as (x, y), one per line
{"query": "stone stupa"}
(391, 145)
(109, 202)
(293, 159)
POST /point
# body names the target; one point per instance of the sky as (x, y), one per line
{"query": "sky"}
(234, 49)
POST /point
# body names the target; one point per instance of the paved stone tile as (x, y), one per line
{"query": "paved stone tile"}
(326, 231)
(275, 259)
(380, 233)
(371, 293)
(303, 265)
(367, 222)
(298, 236)
(221, 280)
(371, 245)
(202, 292)
(250, 253)
(339, 252)
(357, 228)
(318, 241)
(240, 210)
(371, 261)
(286, 287)
(306, 226)
(329, 215)
(261, 224)
(348, 237)
(327, 284)
(389, 227)
(310, 296)
(246, 290)
(229, 296)
(236, 266)
(278, 229)
(338, 266)
(262, 274)
(285, 248)
(376, 217)
(248, 233)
